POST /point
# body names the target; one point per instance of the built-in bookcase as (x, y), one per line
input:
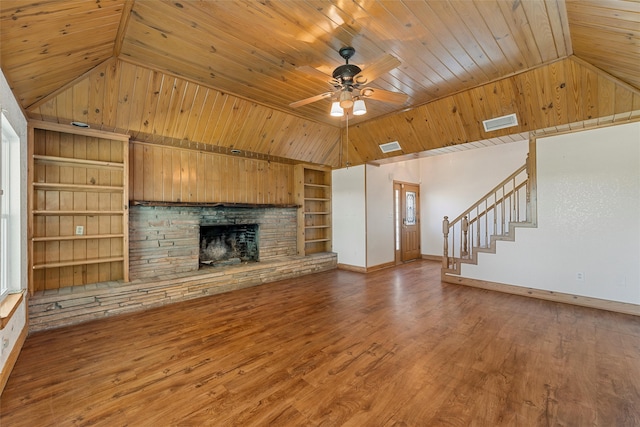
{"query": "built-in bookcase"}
(313, 194)
(78, 222)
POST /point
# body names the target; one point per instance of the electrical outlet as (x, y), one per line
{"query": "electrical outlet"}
(580, 276)
(79, 230)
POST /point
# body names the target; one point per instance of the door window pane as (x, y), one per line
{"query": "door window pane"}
(410, 217)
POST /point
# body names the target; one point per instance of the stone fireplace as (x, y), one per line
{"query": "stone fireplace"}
(165, 240)
(228, 244)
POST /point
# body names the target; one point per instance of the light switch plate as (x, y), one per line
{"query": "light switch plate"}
(79, 230)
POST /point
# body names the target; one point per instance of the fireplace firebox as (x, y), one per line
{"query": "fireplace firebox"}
(228, 244)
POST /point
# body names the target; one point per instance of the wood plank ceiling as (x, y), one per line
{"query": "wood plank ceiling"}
(221, 74)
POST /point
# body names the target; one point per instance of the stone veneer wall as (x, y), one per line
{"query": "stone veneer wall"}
(55, 308)
(164, 265)
(165, 240)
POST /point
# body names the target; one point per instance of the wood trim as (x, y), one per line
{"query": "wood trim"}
(353, 268)
(544, 133)
(125, 207)
(380, 266)
(371, 269)
(532, 164)
(13, 358)
(8, 306)
(124, 20)
(583, 301)
(60, 127)
(432, 257)
(31, 141)
(213, 204)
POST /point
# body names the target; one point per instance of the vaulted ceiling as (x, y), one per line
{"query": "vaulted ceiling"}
(224, 73)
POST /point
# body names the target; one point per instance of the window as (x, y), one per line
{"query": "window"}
(9, 209)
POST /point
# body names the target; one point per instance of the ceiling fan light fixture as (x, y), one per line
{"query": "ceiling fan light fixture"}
(359, 108)
(336, 110)
(346, 100)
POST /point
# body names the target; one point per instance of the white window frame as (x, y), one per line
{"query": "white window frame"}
(9, 209)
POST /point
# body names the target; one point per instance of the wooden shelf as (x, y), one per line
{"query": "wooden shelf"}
(77, 237)
(77, 262)
(77, 187)
(91, 190)
(89, 213)
(67, 161)
(313, 194)
(317, 240)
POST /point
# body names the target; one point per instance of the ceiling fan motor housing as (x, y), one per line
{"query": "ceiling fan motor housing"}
(346, 72)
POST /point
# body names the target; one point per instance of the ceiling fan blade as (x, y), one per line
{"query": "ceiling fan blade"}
(384, 95)
(310, 100)
(376, 69)
(315, 73)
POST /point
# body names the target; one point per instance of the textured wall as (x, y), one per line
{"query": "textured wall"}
(588, 223)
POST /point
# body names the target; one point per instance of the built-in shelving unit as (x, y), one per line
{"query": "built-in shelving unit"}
(313, 195)
(78, 204)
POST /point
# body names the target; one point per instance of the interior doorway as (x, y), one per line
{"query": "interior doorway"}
(406, 201)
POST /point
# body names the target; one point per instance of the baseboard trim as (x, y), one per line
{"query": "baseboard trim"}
(358, 269)
(432, 257)
(13, 358)
(601, 304)
(354, 268)
(381, 266)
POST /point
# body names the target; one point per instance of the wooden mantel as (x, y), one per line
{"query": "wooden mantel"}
(211, 204)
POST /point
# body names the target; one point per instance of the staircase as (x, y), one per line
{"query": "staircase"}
(494, 217)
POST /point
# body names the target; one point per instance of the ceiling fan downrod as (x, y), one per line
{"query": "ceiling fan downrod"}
(345, 73)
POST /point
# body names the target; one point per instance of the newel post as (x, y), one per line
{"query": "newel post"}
(528, 188)
(445, 231)
(465, 229)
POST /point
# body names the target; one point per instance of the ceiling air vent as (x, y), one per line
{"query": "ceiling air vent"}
(500, 122)
(390, 146)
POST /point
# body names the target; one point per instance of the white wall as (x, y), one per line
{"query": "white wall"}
(348, 215)
(453, 182)
(362, 210)
(379, 199)
(13, 113)
(588, 220)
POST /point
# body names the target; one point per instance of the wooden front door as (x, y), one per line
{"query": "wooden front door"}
(407, 200)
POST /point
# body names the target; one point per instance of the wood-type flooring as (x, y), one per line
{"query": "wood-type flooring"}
(395, 347)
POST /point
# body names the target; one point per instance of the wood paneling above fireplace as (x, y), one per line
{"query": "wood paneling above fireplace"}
(170, 174)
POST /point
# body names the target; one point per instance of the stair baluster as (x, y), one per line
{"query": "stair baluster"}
(485, 222)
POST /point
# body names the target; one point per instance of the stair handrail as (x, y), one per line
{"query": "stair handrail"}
(489, 194)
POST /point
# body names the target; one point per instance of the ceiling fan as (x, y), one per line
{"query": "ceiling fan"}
(349, 80)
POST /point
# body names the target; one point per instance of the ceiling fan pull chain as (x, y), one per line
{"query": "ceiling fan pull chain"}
(347, 113)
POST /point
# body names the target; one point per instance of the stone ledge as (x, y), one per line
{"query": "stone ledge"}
(67, 306)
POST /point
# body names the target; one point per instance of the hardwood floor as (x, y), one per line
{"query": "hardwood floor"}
(391, 348)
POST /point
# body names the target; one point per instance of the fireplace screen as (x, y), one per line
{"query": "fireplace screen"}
(228, 244)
